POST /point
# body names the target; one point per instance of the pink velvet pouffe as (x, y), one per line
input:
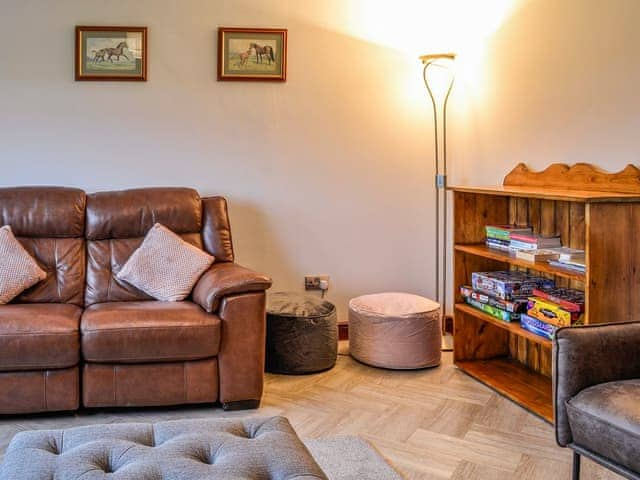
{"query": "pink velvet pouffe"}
(395, 330)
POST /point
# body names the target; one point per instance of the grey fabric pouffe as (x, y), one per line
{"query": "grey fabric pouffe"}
(202, 449)
(302, 334)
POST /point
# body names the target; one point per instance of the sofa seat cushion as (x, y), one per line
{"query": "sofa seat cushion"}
(138, 332)
(39, 336)
(606, 420)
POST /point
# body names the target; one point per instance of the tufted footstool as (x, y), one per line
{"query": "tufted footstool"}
(395, 330)
(225, 449)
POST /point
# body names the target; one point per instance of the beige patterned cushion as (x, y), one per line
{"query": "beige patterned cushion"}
(165, 266)
(18, 270)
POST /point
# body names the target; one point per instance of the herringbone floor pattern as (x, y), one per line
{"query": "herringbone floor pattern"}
(433, 424)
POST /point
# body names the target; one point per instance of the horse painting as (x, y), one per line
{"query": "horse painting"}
(109, 53)
(260, 51)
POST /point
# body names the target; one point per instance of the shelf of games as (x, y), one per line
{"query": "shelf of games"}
(582, 208)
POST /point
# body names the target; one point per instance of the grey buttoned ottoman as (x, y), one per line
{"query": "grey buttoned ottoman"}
(224, 449)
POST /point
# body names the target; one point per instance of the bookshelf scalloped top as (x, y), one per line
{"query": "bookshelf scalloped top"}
(581, 176)
(581, 182)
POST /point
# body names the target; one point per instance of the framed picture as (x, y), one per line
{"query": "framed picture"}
(111, 53)
(252, 54)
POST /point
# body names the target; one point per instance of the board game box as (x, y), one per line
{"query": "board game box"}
(493, 311)
(570, 299)
(551, 312)
(513, 306)
(538, 327)
(508, 285)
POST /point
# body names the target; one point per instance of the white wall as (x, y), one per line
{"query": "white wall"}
(324, 173)
(561, 85)
(331, 171)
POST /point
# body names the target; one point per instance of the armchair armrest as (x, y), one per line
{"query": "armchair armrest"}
(224, 279)
(587, 356)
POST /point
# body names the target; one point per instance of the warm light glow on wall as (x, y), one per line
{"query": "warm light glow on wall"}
(417, 27)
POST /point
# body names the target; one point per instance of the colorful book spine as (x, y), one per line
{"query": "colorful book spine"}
(493, 311)
(516, 306)
(498, 234)
(568, 266)
(538, 327)
(498, 244)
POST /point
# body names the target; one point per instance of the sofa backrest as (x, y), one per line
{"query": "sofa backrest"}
(49, 222)
(118, 221)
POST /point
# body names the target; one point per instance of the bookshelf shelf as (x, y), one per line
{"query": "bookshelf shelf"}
(515, 381)
(483, 251)
(589, 209)
(512, 327)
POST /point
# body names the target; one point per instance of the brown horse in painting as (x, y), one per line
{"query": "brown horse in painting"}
(260, 51)
(109, 53)
(117, 52)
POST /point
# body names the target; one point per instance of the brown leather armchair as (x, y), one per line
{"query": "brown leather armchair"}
(132, 350)
(596, 384)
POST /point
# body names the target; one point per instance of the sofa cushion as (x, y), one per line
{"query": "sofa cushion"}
(105, 258)
(18, 269)
(606, 420)
(43, 212)
(136, 332)
(131, 213)
(165, 266)
(39, 336)
(63, 259)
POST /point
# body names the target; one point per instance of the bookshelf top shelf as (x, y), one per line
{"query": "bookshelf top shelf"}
(581, 182)
(550, 193)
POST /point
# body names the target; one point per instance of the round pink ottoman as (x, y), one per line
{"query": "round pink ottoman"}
(395, 330)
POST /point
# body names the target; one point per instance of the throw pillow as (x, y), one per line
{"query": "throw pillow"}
(165, 266)
(18, 269)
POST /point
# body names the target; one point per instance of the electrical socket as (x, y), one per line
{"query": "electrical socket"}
(312, 282)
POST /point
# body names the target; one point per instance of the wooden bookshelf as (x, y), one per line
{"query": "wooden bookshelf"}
(591, 210)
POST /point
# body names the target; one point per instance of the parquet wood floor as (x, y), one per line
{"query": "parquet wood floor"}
(432, 424)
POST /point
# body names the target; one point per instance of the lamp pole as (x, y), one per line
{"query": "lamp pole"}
(440, 60)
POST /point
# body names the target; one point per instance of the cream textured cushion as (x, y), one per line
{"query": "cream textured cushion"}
(18, 270)
(165, 266)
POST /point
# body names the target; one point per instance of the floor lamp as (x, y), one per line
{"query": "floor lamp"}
(432, 62)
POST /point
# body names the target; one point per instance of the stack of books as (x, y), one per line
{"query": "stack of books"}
(550, 309)
(570, 259)
(530, 241)
(499, 236)
(503, 295)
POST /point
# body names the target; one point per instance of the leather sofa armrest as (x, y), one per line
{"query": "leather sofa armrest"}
(587, 356)
(227, 278)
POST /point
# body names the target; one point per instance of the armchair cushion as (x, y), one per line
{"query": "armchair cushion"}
(606, 420)
(224, 279)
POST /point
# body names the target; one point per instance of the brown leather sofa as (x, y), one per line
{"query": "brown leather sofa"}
(82, 326)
